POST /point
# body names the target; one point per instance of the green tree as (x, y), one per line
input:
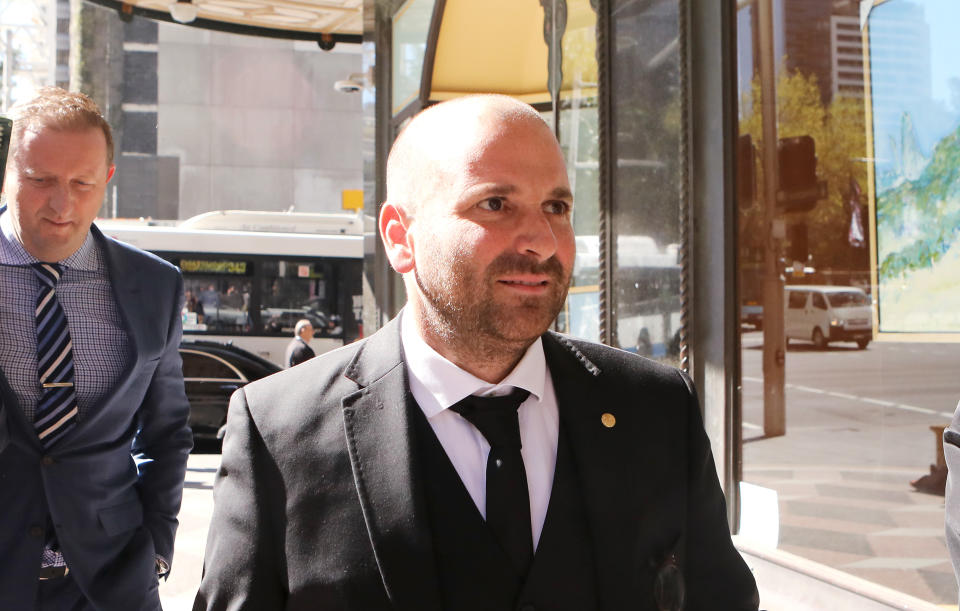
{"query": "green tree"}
(839, 132)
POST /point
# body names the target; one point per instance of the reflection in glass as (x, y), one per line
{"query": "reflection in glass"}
(646, 196)
(579, 139)
(857, 474)
(411, 25)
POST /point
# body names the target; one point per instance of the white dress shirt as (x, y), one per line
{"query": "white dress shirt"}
(436, 384)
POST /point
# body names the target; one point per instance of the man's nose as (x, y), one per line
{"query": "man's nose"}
(61, 199)
(536, 236)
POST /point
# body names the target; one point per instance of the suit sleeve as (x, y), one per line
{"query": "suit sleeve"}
(716, 575)
(164, 440)
(4, 432)
(243, 566)
(951, 451)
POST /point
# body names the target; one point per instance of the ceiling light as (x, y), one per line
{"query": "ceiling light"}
(183, 11)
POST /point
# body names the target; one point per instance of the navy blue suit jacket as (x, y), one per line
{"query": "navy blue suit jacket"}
(113, 485)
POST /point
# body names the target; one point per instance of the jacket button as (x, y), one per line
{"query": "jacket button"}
(47, 460)
(36, 531)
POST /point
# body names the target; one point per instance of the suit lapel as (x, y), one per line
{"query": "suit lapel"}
(124, 276)
(380, 441)
(13, 419)
(603, 460)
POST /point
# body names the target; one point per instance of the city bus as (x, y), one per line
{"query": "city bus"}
(250, 276)
(645, 295)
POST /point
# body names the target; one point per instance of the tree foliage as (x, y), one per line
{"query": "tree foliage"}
(839, 132)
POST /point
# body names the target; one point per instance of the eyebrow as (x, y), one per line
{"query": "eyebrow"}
(561, 193)
(507, 189)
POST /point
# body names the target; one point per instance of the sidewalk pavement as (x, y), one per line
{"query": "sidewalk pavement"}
(177, 592)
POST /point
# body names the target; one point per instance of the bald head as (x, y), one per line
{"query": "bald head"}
(478, 219)
(448, 135)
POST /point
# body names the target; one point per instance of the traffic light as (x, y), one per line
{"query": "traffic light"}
(799, 242)
(799, 190)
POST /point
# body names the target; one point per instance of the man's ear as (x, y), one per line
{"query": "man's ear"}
(396, 237)
(110, 171)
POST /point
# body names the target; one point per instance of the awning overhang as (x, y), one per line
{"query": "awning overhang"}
(327, 22)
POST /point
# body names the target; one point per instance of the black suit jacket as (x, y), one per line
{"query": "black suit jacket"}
(318, 504)
(297, 352)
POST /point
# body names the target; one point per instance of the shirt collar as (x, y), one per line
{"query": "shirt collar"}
(12, 251)
(448, 383)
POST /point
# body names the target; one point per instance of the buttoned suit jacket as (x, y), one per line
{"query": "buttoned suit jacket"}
(113, 484)
(319, 505)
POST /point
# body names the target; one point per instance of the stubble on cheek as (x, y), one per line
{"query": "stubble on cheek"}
(463, 305)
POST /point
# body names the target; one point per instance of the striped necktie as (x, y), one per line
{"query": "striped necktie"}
(57, 408)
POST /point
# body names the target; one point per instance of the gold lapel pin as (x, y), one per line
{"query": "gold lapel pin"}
(608, 420)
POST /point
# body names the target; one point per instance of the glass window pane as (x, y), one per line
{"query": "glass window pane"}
(216, 295)
(870, 364)
(646, 197)
(579, 138)
(411, 25)
(292, 291)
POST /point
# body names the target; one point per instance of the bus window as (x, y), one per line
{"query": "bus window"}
(291, 291)
(248, 277)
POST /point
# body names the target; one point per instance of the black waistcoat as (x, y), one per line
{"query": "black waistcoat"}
(474, 572)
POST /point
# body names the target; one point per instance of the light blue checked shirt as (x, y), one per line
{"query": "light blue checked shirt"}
(101, 347)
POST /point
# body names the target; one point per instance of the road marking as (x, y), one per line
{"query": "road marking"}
(842, 395)
(879, 402)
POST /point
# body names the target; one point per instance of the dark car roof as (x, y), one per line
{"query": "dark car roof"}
(253, 366)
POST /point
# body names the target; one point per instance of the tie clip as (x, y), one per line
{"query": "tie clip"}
(57, 384)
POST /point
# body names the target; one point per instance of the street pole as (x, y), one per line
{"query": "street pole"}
(774, 342)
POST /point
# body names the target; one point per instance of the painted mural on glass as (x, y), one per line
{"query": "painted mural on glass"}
(914, 99)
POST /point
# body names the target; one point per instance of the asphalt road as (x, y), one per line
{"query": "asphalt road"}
(858, 432)
(855, 407)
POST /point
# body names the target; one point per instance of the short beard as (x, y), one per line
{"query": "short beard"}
(462, 314)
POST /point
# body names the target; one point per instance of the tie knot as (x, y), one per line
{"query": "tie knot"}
(495, 417)
(48, 273)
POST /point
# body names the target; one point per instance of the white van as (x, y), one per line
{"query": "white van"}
(824, 314)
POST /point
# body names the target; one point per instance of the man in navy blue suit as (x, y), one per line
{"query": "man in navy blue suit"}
(91, 387)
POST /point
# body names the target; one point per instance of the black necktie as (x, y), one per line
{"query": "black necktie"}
(508, 502)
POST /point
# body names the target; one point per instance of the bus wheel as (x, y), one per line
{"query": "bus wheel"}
(818, 339)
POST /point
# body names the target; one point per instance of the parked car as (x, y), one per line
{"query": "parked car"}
(211, 372)
(751, 313)
(824, 314)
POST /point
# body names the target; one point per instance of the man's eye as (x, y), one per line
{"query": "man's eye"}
(557, 207)
(494, 204)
